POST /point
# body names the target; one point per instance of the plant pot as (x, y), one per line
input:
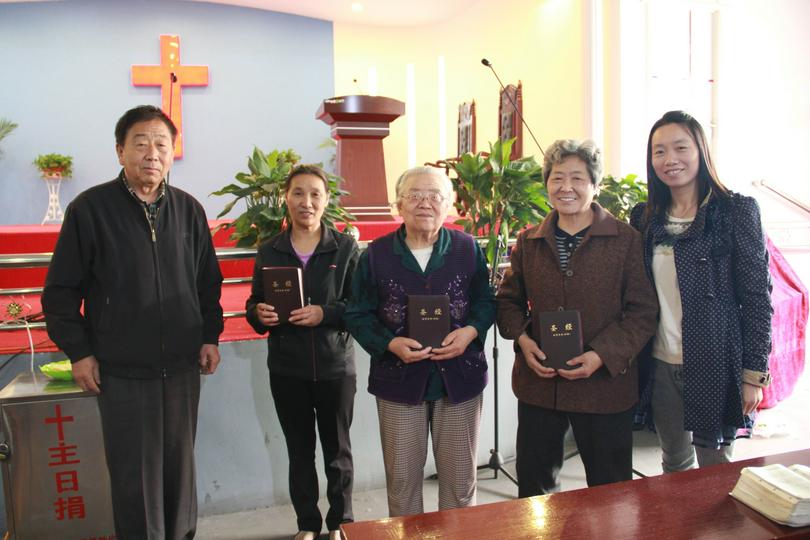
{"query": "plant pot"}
(53, 174)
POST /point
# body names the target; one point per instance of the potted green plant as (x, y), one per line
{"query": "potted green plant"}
(54, 165)
(262, 190)
(497, 197)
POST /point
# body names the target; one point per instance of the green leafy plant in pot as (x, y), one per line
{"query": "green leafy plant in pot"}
(54, 165)
(262, 190)
(497, 197)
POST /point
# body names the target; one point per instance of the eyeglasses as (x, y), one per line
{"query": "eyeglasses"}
(415, 197)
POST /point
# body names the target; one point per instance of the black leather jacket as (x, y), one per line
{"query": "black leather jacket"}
(325, 351)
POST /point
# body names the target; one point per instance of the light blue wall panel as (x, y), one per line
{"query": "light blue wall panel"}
(65, 79)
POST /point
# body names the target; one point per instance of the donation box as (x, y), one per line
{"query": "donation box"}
(55, 476)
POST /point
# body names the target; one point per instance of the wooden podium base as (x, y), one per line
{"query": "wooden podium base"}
(364, 178)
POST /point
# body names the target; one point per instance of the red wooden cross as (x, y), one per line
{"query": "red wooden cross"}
(171, 77)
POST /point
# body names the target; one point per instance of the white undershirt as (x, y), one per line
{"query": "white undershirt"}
(667, 345)
(422, 256)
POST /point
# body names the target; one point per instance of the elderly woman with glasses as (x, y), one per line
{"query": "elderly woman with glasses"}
(423, 390)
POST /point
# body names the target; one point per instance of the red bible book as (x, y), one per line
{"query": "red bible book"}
(283, 289)
(559, 335)
(428, 318)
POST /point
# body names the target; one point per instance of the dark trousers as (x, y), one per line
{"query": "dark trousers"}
(300, 405)
(605, 443)
(149, 427)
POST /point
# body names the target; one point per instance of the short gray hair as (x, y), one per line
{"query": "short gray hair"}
(585, 150)
(419, 171)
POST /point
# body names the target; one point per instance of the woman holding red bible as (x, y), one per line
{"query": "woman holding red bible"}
(579, 258)
(311, 357)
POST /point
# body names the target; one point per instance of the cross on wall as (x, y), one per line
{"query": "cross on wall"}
(171, 77)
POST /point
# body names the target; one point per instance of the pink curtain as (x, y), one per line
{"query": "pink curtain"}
(790, 306)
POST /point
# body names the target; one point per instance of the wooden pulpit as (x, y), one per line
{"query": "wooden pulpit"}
(359, 124)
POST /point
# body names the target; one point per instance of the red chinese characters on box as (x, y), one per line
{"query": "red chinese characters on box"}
(61, 458)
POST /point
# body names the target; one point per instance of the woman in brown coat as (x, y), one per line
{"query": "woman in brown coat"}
(579, 258)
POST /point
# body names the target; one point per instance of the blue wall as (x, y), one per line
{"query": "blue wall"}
(65, 79)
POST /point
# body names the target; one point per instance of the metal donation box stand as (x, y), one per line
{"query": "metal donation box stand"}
(55, 476)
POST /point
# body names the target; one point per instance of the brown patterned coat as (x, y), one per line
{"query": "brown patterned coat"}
(607, 283)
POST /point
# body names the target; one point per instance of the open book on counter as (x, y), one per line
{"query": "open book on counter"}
(780, 493)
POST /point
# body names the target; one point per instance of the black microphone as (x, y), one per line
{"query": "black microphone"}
(512, 101)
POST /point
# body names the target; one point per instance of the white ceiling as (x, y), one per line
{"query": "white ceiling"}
(375, 12)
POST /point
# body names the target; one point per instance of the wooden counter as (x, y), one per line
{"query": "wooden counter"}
(688, 505)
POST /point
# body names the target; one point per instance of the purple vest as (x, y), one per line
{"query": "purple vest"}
(389, 377)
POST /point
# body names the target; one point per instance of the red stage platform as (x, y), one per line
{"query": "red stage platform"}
(28, 239)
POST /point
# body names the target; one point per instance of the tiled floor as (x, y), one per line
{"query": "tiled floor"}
(782, 429)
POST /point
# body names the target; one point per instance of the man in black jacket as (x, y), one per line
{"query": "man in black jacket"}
(138, 254)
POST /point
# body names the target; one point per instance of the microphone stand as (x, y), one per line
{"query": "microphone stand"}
(496, 460)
